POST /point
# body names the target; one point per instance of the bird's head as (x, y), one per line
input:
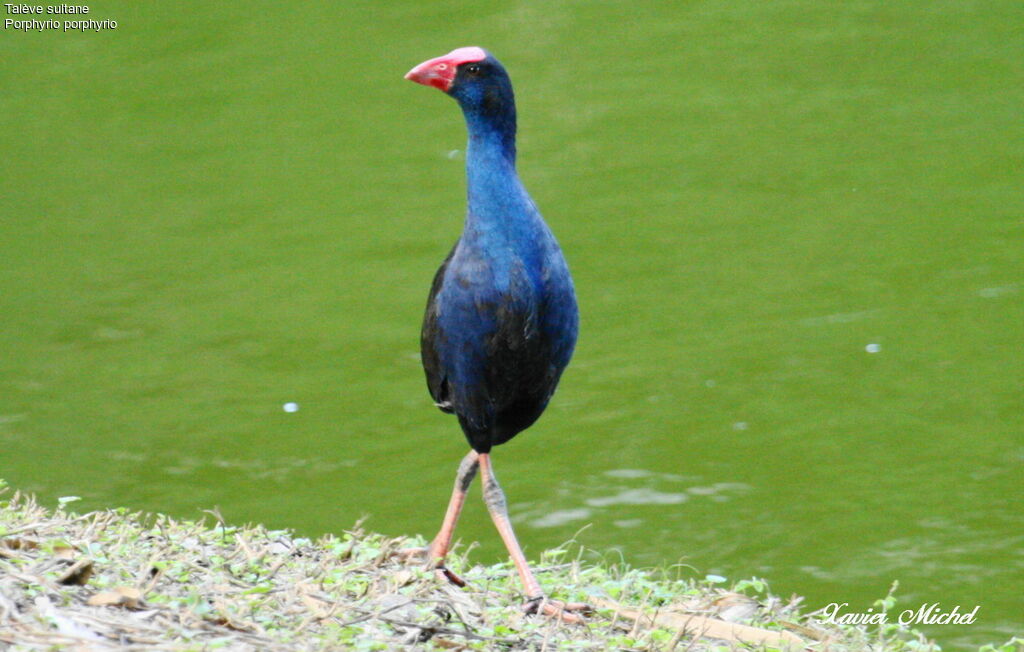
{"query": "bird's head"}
(472, 76)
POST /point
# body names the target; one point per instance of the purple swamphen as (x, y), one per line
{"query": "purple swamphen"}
(501, 318)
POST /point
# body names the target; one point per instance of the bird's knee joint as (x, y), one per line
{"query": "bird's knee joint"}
(467, 471)
(494, 496)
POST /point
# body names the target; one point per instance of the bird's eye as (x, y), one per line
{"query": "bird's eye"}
(473, 69)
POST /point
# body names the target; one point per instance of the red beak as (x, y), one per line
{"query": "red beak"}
(440, 71)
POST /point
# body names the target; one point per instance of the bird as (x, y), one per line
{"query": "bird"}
(501, 320)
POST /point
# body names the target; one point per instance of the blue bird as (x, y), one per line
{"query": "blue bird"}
(501, 318)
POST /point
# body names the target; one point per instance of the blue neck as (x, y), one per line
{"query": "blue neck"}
(495, 194)
(491, 123)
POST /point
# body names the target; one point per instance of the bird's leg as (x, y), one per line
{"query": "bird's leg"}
(438, 548)
(536, 602)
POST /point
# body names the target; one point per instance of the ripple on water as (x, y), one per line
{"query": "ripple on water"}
(719, 489)
(626, 489)
(636, 474)
(628, 522)
(279, 470)
(994, 292)
(840, 318)
(627, 473)
(561, 517)
(639, 497)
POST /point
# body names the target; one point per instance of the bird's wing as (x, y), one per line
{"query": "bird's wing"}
(437, 383)
(492, 347)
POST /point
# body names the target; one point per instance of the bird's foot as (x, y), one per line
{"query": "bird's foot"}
(563, 611)
(408, 555)
(444, 573)
(437, 563)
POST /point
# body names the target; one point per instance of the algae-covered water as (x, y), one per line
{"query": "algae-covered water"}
(796, 230)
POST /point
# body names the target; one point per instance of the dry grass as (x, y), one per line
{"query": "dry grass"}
(127, 580)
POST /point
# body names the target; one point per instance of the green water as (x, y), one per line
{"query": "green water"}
(218, 208)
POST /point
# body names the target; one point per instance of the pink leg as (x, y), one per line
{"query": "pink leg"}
(438, 549)
(494, 497)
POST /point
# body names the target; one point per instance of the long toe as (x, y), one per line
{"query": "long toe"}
(564, 611)
(412, 554)
(424, 555)
(446, 574)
